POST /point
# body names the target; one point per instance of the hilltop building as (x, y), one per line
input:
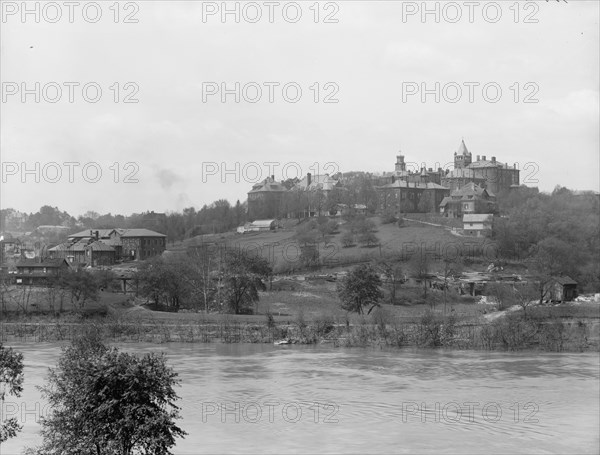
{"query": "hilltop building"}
(470, 198)
(265, 199)
(491, 175)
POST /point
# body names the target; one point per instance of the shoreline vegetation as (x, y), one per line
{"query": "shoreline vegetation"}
(432, 329)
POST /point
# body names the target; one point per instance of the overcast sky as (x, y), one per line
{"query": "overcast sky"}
(374, 58)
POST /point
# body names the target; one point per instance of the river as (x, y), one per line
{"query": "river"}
(250, 398)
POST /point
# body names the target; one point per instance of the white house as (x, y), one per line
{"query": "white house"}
(258, 226)
(477, 224)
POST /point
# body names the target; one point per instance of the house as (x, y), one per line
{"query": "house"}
(309, 196)
(265, 199)
(470, 198)
(85, 251)
(9, 248)
(477, 224)
(111, 237)
(34, 271)
(258, 226)
(560, 289)
(140, 244)
(345, 209)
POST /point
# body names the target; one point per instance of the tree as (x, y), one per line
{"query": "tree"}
(244, 275)
(507, 295)
(360, 288)
(368, 239)
(82, 285)
(392, 270)
(347, 239)
(451, 268)
(11, 376)
(204, 262)
(420, 265)
(164, 281)
(107, 402)
(552, 257)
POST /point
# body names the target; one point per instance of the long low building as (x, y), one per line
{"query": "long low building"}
(106, 246)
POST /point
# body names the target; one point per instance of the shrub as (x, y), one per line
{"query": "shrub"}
(347, 239)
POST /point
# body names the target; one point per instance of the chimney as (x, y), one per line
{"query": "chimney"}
(393, 179)
(97, 235)
(478, 157)
(483, 157)
(493, 159)
(308, 179)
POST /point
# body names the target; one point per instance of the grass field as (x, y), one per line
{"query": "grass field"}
(283, 251)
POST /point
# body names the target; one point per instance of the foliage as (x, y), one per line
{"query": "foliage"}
(360, 288)
(507, 295)
(82, 286)
(164, 282)
(347, 239)
(308, 233)
(557, 233)
(392, 270)
(11, 376)
(420, 265)
(426, 201)
(105, 401)
(244, 276)
(309, 255)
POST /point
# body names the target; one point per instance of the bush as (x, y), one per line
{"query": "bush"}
(368, 239)
(347, 239)
(388, 218)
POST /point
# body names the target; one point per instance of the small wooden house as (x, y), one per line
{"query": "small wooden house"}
(34, 271)
(561, 289)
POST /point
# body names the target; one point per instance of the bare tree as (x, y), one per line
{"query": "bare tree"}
(392, 270)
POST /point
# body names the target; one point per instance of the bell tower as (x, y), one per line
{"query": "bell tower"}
(462, 158)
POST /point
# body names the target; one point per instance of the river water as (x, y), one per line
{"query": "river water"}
(244, 398)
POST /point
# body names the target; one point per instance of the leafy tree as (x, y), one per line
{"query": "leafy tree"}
(309, 255)
(164, 281)
(360, 288)
(11, 377)
(83, 286)
(308, 233)
(106, 402)
(244, 275)
(347, 239)
(368, 239)
(327, 227)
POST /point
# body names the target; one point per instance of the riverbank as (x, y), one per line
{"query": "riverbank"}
(511, 332)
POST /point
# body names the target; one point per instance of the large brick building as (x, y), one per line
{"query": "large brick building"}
(401, 196)
(140, 244)
(490, 174)
(265, 199)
